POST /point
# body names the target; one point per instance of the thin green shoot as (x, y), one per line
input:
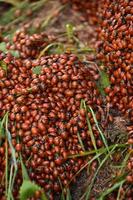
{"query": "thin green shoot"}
(24, 170)
(125, 192)
(10, 143)
(83, 105)
(14, 168)
(68, 195)
(3, 122)
(42, 53)
(120, 181)
(9, 194)
(111, 189)
(13, 178)
(87, 193)
(62, 189)
(122, 169)
(2, 130)
(102, 149)
(101, 133)
(80, 141)
(119, 191)
(6, 169)
(70, 31)
(90, 161)
(9, 178)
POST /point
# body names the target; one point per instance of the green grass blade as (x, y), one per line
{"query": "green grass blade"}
(108, 191)
(62, 189)
(83, 105)
(100, 150)
(68, 195)
(92, 136)
(10, 183)
(24, 170)
(120, 187)
(88, 163)
(123, 166)
(80, 141)
(14, 161)
(42, 53)
(10, 143)
(95, 158)
(87, 194)
(6, 170)
(13, 178)
(101, 134)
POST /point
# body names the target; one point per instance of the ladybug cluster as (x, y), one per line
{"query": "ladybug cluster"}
(116, 53)
(45, 119)
(29, 46)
